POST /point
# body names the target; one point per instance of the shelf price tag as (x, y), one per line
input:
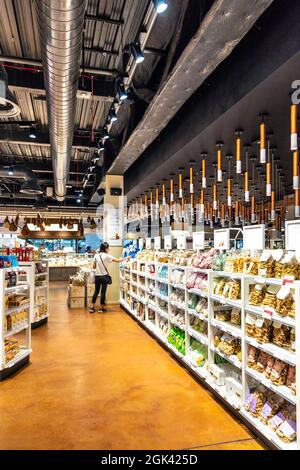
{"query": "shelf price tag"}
(198, 240)
(168, 242)
(269, 311)
(181, 242)
(288, 281)
(157, 243)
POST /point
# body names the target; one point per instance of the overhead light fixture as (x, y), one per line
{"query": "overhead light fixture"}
(79, 201)
(31, 187)
(32, 132)
(106, 135)
(10, 170)
(91, 169)
(121, 91)
(112, 115)
(160, 5)
(137, 53)
(100, 144)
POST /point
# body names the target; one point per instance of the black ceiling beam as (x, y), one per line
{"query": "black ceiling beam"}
(19, 137)
(34, 81)
(147, 50)
(104, 19)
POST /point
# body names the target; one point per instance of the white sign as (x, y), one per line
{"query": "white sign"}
(141, 243)
(181, 242)
(198, 240)
(168, 242)
(222, 239)
(114, 226)
(148, 243)
(292, 234)
(254, 237)
(157, 243)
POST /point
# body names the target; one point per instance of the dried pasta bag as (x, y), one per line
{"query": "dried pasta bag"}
(228, 266)
(191, 281)
(250, 324)
(238, 351)
(281, 334)
(262, 361)
(228, 344)
(263, 330)
(280, 417)
(253, 266)
(219, 288)
(270, 296)
(279, 372)
(269, 367)
(271, 407)
(292, 311)
(235, 316)
(257, 294)
(266, 265)
(290, 266)
(284, 301)
(217, 338)
(293, 341)
(252, 357)
(222, 315)
(226, 289)
(287, 430)
(258, 400)
(291, 379)
(278, 256)
(193, 301)
(234, 290)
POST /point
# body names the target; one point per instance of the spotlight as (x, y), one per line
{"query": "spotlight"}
(137, 53)
(91, 169)
(100, 145)
(121, 91)
(11, 170)
(79, 201)
(112, 115)
(32, 132)
(105, 134)
(160, 5)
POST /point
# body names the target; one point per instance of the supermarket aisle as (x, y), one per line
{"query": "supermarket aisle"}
(100, 382)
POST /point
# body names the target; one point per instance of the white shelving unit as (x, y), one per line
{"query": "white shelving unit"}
(39, 293)
(249, 378)
(22, 328)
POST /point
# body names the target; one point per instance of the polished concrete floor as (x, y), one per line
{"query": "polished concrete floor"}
(101, 382)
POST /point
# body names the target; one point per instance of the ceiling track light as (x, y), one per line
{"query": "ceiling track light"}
(160, 5)
(11, 170)
(137, 53)
(121, 91)
(112, 115)
(105, 134)
(32, 132)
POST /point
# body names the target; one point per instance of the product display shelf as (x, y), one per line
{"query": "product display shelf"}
(38, 319)
(249, 377)
(23, 328)
(269, 313)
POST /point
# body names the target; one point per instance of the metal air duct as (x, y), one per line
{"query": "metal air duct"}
(61, 25)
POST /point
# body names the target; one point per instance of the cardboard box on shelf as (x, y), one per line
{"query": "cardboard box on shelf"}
(77, 302)
(76, 291)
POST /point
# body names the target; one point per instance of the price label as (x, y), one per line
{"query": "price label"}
(268, 311)
(157, 243)
(288, 281)
(181, 242)
(198, 240)
(168, 242)
(148, 243)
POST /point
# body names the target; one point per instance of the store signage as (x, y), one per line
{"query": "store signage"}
(222, 239)
(141, 243)
(148, 243)
(288, 280)
(254, 237)
(198, 240)
(157, 243)
(181, 241)
(168, 242)
(292, 234)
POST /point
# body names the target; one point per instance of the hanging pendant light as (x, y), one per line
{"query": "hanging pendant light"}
(223, 214)
(238, 133)
(268, 179)
(202, 203)
(180, 183)
(164, 202)
(204, 182)
(262, 139)
(246, 176)
(295, 169)
(172, 188)
(294, 126)
(192, 163)
(229, 194)
(151, 205)
(219, 161)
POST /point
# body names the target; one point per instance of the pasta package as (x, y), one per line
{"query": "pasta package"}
(271, 407)
(263, 330)
(257, 294)
(284, 301)
(281, 334)
(279, 372)
(266, 265)
(255, 402)
(287, 430)
(269, 299)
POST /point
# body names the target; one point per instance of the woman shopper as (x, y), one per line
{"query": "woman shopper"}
(102, 277)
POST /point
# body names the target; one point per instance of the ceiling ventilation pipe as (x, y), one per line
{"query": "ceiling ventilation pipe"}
(61, 24)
